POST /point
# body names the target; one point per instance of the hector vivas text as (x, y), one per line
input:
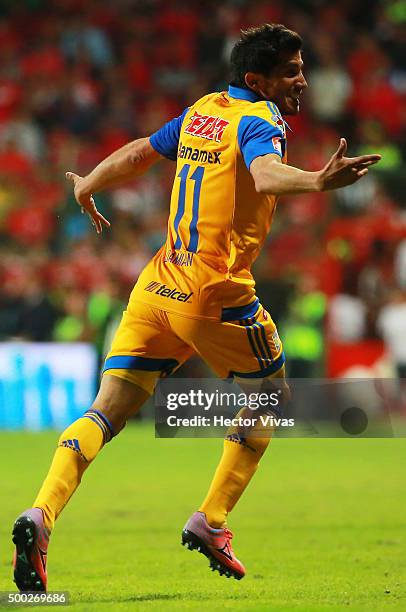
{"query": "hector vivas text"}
(258, 403)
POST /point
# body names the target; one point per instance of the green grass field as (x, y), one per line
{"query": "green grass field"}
(321, 527)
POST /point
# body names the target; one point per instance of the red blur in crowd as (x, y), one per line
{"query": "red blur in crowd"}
(79, 80)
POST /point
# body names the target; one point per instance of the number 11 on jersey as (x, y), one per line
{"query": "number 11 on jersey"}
(197, 177)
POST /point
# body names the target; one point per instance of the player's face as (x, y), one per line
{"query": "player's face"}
(286, 83)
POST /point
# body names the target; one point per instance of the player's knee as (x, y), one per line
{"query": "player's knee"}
(285, 392)
(118, 400)
(277, 389)
(113, 412)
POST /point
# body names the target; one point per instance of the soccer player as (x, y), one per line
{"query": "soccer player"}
(197, 294)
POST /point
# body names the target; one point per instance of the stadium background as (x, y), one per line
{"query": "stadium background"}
(79, 79)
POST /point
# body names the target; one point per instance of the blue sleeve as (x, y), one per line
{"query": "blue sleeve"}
(165, 140)
(258, 137)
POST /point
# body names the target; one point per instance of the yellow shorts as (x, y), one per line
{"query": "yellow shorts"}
(152, 343)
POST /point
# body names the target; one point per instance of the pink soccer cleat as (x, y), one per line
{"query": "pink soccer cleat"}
(214, 543)
(30, 558)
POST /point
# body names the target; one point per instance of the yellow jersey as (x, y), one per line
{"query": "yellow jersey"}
(217, 220)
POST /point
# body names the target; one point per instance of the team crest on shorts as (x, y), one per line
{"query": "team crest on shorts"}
(276, 340)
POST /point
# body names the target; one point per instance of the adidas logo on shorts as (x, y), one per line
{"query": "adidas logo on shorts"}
(164, 291)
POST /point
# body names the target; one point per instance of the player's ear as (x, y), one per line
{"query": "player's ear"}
(255, 81)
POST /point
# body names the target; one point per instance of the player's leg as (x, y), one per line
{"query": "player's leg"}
(128, 380)
(242, 452)
(116, 401)
(78, 446)
(243, 449)
(248, 348)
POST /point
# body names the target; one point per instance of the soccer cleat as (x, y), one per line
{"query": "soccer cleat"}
(214, 543)
(31, 538)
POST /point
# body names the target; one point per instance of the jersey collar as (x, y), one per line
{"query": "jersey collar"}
(243, 94)
(247, 94)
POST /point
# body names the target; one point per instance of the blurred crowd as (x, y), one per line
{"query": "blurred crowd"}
(78, 79)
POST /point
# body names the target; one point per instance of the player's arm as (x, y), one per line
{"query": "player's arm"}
(128, 162)
(271, 176)
(125, 164)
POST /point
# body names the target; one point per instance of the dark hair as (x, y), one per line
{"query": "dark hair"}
(260, 50)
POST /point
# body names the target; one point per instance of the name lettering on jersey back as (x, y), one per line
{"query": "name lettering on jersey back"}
(206, 126)
(203, 157)
(179, 258)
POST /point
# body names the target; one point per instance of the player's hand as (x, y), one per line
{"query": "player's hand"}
(86, 202)
(341, 171)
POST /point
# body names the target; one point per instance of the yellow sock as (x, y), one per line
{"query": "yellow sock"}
(77, 447)
(237, 466)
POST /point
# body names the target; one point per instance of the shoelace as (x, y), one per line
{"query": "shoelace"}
(228, 533)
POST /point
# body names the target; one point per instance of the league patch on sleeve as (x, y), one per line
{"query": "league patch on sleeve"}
(276, 141)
